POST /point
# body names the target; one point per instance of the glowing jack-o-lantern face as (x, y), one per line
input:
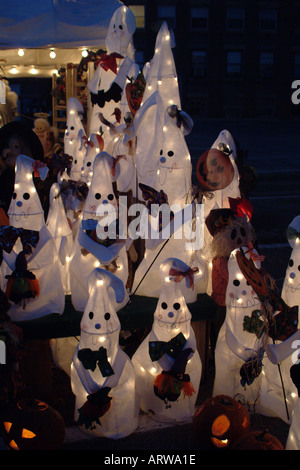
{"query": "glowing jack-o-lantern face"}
(32, 425)
(220, 421)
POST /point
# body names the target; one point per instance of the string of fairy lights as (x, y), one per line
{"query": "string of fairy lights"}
(34, 69)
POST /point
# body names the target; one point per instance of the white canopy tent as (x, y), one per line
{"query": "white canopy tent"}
(67, 26)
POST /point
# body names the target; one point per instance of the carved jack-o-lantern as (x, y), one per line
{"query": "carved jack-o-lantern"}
(214, 170)
(32, 425)
(220, 421)
(258, 440)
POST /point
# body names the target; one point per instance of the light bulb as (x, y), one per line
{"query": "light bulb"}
(52, 54)
(84, 53)
(21, 52)
(99, 282)
(33, 71)
(14, 70)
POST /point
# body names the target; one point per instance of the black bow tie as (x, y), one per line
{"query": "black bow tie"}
(10, 234)
(90, 359)
(173, 347)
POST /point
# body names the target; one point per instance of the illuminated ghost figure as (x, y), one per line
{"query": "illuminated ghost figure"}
(41, 260)
(78, 156)
(58, 225)
(163, 162)
(102, 375)
(235, 345)
(93, 146)
(74, 125)
(167, 364)
(90, 250)
(291, 286)
(110, 78)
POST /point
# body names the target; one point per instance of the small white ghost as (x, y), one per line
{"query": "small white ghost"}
(93, 146)
(74, 125)
(26, 212)
(59, 227)
(87, 252)
(170, 346)
(102, 375)
(78, 156)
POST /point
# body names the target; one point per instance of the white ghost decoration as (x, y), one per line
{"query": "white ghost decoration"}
(291, 285)
(25, 212)
(78, 156)
(172, 322)
(87, 253)
(94, 145)
(293, 439)
(108, 382)
(163, 162)
(110, 77)
(59, 227)
(234, 344)
(74, 125)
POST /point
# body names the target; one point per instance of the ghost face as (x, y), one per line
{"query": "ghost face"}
(25, 207)
(239, 294)
(99, 327)
(120, 31)
(291, 288)
(171, 317)
(98, 202)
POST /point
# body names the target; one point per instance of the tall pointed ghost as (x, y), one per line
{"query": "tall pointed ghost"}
(169, 352)
(102, 375)
(33, 254)
(89, 249)
(59, 227)
(163, 163)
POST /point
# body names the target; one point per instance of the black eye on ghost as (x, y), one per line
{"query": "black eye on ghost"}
(176, 306)
(109, 197)
(170, 154)
(26, 196)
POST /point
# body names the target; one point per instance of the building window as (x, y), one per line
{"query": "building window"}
(266, 64)
(235, 19)
(199, 18)
(297, 65)
(268, 20)
(198, 64)
(234, 63)
(167, 13)
(139, 13)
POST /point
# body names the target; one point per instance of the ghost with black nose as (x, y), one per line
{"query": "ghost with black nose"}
(102, 375)
(167, 359)
(26, 213)
(92, 249)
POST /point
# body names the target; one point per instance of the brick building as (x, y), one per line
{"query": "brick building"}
(234, 58)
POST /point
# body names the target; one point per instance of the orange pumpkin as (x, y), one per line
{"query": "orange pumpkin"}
(220, 421)
(258, 440)
(214, 170)
(32, 425)
(134, 92)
